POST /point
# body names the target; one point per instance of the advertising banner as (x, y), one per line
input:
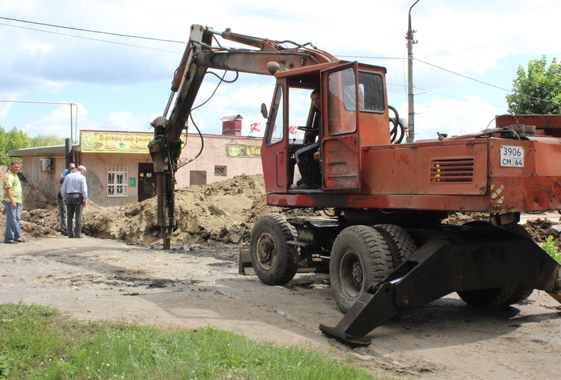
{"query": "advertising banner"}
(242, 150)
(115, 142)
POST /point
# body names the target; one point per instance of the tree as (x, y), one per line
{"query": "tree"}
(13, 140)
(4, 158)
(48, 140)
(17, 139)
(539, 90)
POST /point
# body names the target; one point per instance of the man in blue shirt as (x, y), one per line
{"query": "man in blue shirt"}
(75, 195)
(71, 168)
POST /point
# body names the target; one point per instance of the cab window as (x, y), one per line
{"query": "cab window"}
(275, 131)
(341, 102)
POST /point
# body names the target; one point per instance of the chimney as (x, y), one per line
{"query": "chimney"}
(232, 125)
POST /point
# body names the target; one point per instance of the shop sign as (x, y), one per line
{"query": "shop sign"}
(115, 142)
(242, 150)
(132, 181)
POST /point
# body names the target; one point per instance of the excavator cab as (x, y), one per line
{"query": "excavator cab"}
(343, 129)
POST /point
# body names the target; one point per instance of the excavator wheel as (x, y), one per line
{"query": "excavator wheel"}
(359, 257)
(399, 241)
(504, 296)
(272, 258)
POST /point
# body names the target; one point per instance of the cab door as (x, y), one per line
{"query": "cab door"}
(340, 143)
(275, 143)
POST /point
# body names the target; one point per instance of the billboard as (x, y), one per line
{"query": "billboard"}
(114, 142)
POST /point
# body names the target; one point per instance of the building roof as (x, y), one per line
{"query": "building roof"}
(43, 151)
(233, 117)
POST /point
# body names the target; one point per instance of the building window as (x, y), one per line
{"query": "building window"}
(117, 182)
(220, 170)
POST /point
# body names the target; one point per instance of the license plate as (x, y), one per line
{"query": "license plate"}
(512, 156)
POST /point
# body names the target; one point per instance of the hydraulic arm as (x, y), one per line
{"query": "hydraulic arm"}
(267, 58)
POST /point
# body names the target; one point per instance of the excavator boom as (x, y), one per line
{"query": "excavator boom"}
(267, 58)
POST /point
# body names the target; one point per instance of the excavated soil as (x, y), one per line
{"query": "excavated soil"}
(214, 214)
(218, 213)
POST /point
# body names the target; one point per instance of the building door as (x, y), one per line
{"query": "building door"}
(197, 177)
(146, 181)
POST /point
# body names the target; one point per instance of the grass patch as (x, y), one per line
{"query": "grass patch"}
(550, 247)
(37, 342)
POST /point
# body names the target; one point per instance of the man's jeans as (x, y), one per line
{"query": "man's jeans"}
(62, 214)
(12, 222)
(74, 205)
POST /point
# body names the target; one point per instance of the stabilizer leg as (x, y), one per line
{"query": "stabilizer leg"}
(449, 262)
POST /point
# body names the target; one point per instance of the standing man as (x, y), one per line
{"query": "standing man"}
(62, 206)
(12, 200)
(71, 168)
(75, 195)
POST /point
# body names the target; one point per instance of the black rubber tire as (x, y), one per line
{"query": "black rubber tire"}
(399, 241)
(504, 296)
(272, 258)
(359, 257)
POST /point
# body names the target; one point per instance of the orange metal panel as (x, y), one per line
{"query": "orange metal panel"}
(451, 168)
(342, 170)
(374, 129)
(513, 194)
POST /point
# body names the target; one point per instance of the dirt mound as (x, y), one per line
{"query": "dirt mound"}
(37, 214)
(221, 212)
(540, 229)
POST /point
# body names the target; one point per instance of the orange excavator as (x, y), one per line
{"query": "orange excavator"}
(382, 236)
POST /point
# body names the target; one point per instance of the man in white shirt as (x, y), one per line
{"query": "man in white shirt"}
(75, 195)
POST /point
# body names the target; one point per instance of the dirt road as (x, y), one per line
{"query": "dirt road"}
(106, 280)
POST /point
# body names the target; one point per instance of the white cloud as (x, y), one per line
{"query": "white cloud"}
(451, 117)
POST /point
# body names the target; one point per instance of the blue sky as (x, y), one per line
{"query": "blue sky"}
(122, 87)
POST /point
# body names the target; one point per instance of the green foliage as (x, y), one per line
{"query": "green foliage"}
(48, 140)
(4, 158)
(537, 91)
(550, 247)
(17, 139)
(13, 140)
(36, 342)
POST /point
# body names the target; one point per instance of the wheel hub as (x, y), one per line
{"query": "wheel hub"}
(266, 248)
(357, 273)
(351, 274)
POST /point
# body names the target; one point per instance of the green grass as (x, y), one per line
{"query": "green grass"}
(36, 342)
(550, 247)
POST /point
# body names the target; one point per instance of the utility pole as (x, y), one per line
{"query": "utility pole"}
(410, 42)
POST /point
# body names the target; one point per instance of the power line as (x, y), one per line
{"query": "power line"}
(91, 39)
(183, 42)
(492, 69)
(461, 75)
(485, 83)
(441, 93)
(92, 31)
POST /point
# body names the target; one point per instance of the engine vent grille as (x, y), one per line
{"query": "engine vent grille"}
(452, 169)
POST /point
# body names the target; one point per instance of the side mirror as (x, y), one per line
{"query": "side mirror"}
(264, 110)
